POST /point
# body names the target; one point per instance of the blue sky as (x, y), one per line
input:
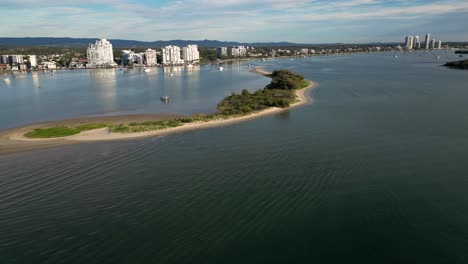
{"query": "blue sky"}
(300, 21)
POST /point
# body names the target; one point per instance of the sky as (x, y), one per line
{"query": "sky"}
(299, 21)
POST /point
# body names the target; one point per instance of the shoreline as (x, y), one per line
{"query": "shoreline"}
(15, 141)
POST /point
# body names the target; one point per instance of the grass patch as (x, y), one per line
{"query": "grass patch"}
(86, 127)
(52, 132)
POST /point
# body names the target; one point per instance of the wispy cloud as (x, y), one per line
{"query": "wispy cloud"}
(244, 20)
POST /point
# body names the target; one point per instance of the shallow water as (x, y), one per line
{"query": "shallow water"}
(373, 172)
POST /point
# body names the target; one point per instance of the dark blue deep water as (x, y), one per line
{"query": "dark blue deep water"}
(374, 171)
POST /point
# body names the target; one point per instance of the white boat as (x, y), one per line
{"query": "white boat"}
(438, 57)
(263, 59)
(396, 56)
(171, 74)
(165, 98)
(7, 80)
(147, 70)
(220, 68)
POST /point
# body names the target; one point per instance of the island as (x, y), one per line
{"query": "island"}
(286, 90)
(462, 64)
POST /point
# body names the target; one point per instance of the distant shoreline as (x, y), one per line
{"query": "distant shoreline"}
(16, 140)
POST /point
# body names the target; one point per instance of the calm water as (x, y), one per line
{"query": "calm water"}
(374, 171)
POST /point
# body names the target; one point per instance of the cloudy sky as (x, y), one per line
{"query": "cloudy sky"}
(300, 21)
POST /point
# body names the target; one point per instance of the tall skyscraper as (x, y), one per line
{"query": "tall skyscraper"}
(416, 43)
(427, 40)
(409, 42)
(432, 44)
(150, 56)
(171, 55)
(439, 44)
(100, 54)
(190, 54)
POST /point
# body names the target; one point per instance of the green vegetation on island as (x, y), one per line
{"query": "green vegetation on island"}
(52, 132)
(280, 92)
(462, 64)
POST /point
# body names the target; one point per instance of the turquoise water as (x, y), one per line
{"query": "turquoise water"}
(373, 172)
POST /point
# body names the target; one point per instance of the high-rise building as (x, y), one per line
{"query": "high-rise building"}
(409, 42)
(32, 61)
(150, 56)
(16, 59)
(221, 52)
(171, 55)
(190, 54)
(432, 43)
(238, 51)
(5, 59)
(439, 44)
(100, 54)
(416, 43)
(426, 43)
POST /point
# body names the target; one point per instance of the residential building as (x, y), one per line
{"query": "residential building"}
(304, 51)
(5, 59)
(221, 52)
(100, 54)
(49, 65)
(238, 51)
(171, 55)
(151, 58)
(190, 54)
(416, 43)
(439, 44)
(409, 42)
(426, 43)
(432, 44)
(32, 61)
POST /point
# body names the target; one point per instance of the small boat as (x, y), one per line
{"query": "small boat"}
(220, 68)
(396, 56)
(7, 80)
(263, 59)
(461, 56)
(438, 57)
(171, 74)
(165, 98)
(147, 70)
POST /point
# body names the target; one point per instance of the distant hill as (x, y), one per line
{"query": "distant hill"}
(119, 43)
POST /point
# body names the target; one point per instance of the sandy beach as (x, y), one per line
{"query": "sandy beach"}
(14, 140)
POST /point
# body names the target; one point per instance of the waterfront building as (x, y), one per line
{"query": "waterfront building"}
(428, 37)
(416, 43)
(5, 59)
(100, 54)
(409, 42)
(150, 57)
(190, 54)
(432, 44)
(171, 55)
(221, 52)
(305, 51)
(32, 61)
(16, 59)
(439, 44)
(49, 65)
(238, 51)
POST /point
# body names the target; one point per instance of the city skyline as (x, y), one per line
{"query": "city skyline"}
(298, 21)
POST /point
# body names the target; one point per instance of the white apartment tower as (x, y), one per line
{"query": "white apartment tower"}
(432, 44)
(239, 51)
(439, 44)
(100, 54)
(171, 55)
(190, 54)
(416, 43)
(150, 56)
(33, 60)
(221, 52)
(409, 40)
(427, 40)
